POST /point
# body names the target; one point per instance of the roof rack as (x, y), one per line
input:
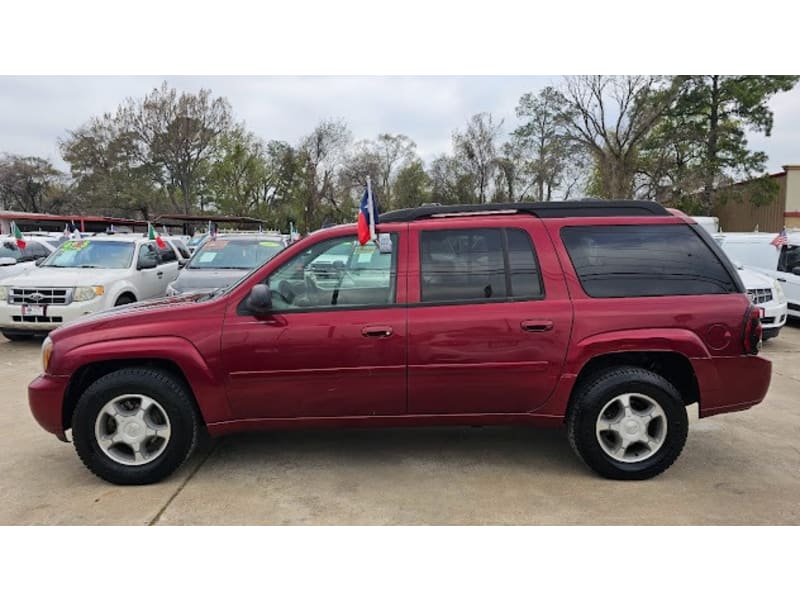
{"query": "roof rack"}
(543, 210)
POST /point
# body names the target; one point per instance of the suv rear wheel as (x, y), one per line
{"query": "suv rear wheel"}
(135, 426)
(627, 423)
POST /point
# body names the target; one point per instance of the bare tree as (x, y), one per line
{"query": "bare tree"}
(476, 149)
(323, 152)
(177, 132)
(611, 116)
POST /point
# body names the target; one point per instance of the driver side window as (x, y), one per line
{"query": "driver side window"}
(338, 272)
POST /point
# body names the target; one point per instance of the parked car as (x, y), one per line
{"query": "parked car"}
(767, 294)
(550, 314)
(755, 251)
(14, 260)
(83, 277)
(224, 260)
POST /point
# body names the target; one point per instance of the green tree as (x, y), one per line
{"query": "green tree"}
(715, 111)
(110, 175)
(411, 187)
(549, 159)
(237, 177)
(32, 184)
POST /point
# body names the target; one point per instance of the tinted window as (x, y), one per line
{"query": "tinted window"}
(644, 260)
(147, 250)
(462, 264)
(167, 255)
(34, 250)
(336, 273)
(790, 258)
(9, 249)
(525, 278)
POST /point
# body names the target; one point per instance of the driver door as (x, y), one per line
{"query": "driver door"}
(335, 341)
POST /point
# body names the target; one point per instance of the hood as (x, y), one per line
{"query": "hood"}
(64, 277)
(116, 315)
(753, 280)
(207, 279)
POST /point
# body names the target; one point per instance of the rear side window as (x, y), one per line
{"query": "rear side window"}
(790, 259)
(644, 260)
(471, 265)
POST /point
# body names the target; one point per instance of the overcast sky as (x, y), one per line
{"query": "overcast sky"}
(36, 111)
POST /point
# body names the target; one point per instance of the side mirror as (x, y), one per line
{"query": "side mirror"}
(259, 302)
(147, 262)
(7, 261)
(39, 261)
(182, 263)
(796, 271)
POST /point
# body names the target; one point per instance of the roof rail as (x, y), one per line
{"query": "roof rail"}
(544, 210)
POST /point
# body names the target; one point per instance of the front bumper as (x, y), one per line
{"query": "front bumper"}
(774, 315)
(55, 315)
(46, 400)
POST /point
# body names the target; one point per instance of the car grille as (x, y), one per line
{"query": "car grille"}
(36, 319)
(39, 296)
(760, 296)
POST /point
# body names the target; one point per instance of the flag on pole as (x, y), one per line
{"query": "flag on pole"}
(18, 237)
(293, 235)
(66, 230)
(212, 230)
(152, 234)
(780, 240)
(367, 216)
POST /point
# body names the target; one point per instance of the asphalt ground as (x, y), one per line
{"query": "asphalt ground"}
(739, 468)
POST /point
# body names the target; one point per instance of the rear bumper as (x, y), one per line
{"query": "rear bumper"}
(46, 400)
(729, 384)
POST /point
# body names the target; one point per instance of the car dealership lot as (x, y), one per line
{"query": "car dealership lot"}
(740, 468)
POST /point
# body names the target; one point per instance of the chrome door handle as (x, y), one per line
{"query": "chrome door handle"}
(781, 280)
(378, 331)
(160, 274)
(536, 325)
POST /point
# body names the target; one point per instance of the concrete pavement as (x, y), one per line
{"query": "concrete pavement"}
(741, 468)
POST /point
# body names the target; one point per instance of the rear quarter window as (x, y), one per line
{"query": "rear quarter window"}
(619, 261)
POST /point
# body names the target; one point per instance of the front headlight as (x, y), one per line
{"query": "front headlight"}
(779, 295)
(47, 353)
(82, 294)
(3, 293)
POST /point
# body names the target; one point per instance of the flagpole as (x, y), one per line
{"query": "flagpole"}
(371, 210)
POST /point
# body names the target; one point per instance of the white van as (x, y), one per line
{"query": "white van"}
(754, 250)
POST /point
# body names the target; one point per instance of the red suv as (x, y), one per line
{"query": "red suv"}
(573, 313)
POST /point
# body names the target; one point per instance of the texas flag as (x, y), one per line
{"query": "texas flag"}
(367, 217)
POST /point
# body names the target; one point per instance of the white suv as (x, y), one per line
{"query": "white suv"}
(82, 277)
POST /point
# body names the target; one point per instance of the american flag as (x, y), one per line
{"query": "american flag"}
(781, 239)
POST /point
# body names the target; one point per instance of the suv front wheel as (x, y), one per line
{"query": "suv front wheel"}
(627, 423)
(135, 426)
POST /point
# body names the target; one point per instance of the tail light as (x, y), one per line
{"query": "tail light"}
(752, 330)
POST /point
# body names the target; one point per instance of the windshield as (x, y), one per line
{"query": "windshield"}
(92, 254)
(8, 249)
(234, 254)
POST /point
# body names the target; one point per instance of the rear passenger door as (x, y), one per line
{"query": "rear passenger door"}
(489, 317)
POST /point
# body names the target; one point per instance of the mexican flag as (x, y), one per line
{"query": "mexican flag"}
(152, 234)
(20, 239)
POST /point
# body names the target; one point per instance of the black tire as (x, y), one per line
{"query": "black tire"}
(592, 397)
(161, 386)
(17, 337)
(125, 299)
